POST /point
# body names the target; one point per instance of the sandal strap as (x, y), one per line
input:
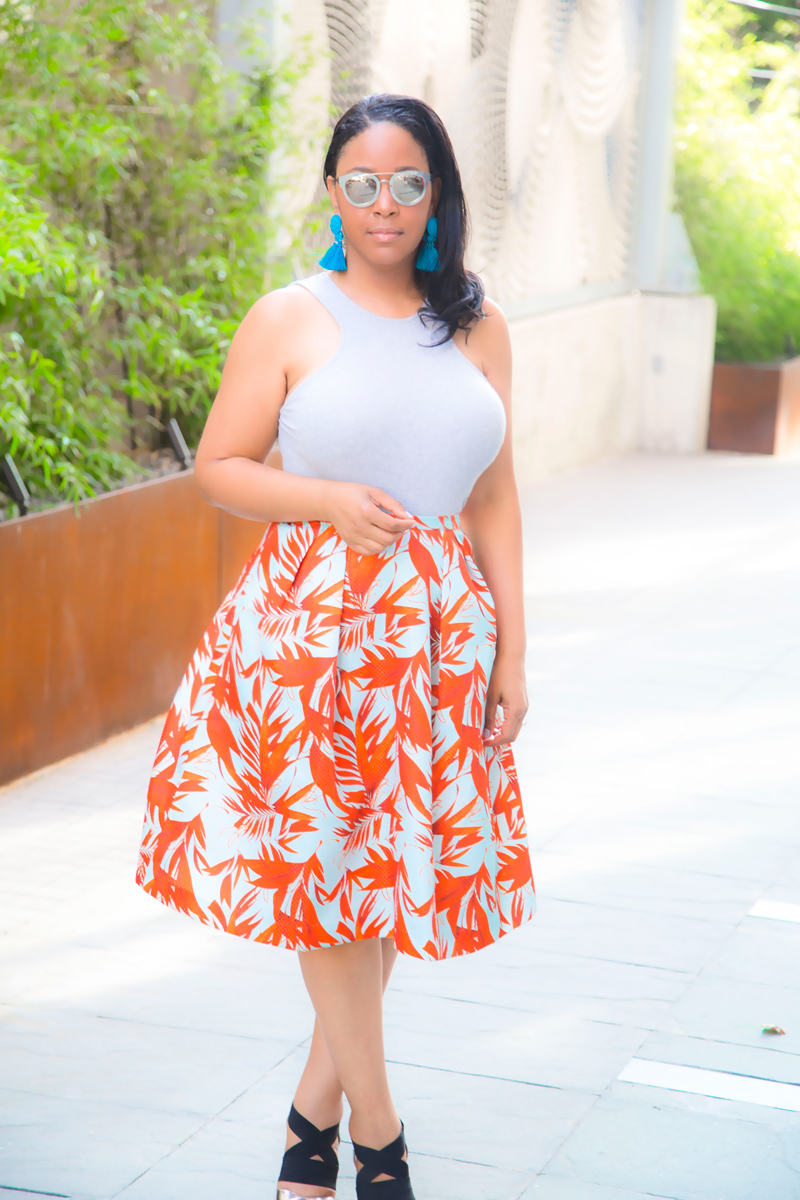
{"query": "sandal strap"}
(384, 1189)
(300, 1164)
(386, 1161)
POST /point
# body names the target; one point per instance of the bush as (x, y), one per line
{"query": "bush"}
(738, 175)
(58, 430)
(135, 227)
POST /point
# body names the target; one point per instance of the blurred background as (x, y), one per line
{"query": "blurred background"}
(633, 175)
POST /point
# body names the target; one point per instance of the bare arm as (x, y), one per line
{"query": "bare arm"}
(284, 337)
(494, 526)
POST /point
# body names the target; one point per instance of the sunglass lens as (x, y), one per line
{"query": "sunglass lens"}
(361, 189)
(408, 187)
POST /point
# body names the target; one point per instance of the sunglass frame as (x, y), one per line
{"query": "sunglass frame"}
(342, 180)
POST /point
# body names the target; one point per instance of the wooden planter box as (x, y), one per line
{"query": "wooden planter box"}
(755, 408)
(100, 610)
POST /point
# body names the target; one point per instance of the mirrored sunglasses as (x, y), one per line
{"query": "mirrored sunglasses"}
(363, 189)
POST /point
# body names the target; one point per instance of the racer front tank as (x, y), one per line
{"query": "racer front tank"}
(391, 409)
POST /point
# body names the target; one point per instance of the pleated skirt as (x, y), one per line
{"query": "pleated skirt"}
(321, 776)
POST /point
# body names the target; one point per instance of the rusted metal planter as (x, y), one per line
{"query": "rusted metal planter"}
(755, 407)
(100, 610)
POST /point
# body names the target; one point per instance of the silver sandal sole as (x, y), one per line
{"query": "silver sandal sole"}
(286, 1194)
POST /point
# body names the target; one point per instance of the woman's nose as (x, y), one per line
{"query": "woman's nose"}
(385, 202)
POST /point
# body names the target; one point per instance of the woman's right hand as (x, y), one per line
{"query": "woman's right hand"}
(356, 513)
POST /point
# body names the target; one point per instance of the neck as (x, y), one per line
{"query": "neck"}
(390, 291)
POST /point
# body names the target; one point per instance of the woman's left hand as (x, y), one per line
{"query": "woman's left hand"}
(507, 691)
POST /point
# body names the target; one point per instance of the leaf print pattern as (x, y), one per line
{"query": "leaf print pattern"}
(321, 776)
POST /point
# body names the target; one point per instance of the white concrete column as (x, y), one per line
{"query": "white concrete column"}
(677, 335)
(656, 162)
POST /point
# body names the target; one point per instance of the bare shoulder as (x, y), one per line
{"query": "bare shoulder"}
(492, 331)
(281, 310)
(492, 309)
(487, 344)
(281, 333)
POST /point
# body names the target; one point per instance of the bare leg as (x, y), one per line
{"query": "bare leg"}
(319, 1092)
(345, 984)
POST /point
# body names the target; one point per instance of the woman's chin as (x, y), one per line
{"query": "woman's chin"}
(388, 255)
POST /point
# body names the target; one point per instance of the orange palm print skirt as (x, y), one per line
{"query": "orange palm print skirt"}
(321, 776)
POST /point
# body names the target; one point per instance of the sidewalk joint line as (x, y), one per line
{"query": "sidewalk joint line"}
(553, 1087)
(9, 1187)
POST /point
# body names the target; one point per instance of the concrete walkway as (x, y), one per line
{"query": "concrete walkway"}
(146, 1057)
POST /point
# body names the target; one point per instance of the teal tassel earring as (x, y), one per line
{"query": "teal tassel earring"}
(428, 259)
(333, 258)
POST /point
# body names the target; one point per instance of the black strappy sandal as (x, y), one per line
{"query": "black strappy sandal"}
(388, 1161)
(312, 1160)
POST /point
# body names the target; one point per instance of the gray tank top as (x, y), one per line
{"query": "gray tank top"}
(391, 411)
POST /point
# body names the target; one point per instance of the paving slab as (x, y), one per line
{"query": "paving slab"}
(516, 969)
(554, 1187)
(737, 1011)
(477, 1039)
(768, 951)
(742, 849)
(87, 1147)
(449, 1117)
(629, 935)
(652, 888)
(649, 1096)
(81, 1056)
(765, 1061)
(666, 1151)
(786, 887)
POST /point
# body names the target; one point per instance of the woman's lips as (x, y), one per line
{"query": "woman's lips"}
(384, 235)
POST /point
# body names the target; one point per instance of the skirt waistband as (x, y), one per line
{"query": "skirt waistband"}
(448, 521)
(452, 521)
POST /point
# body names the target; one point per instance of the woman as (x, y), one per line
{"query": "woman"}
(333, 775)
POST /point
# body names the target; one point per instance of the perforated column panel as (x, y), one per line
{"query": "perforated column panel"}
(479, 15)
(488, 183)
(349, 40)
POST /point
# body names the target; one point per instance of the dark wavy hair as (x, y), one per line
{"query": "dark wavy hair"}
(453, 295)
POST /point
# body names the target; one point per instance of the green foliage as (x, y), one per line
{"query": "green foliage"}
(58, 430)
(135, 226)
(738, 174)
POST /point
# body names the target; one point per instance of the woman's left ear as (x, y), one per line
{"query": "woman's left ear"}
(330, 183)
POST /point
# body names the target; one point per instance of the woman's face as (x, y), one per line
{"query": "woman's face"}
(385, 233)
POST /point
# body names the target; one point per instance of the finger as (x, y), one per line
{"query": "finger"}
(515, 731)
(359, 533)
(364, 547)
(387, 524)
(388, 505)
(384, 500)
(490, 718)
(512, 723)
(362, 535)
(381, 537)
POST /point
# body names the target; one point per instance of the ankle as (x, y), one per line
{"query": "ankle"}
(322, 1111)
(310, 1165)
(382, 1165)
(374, 1128)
